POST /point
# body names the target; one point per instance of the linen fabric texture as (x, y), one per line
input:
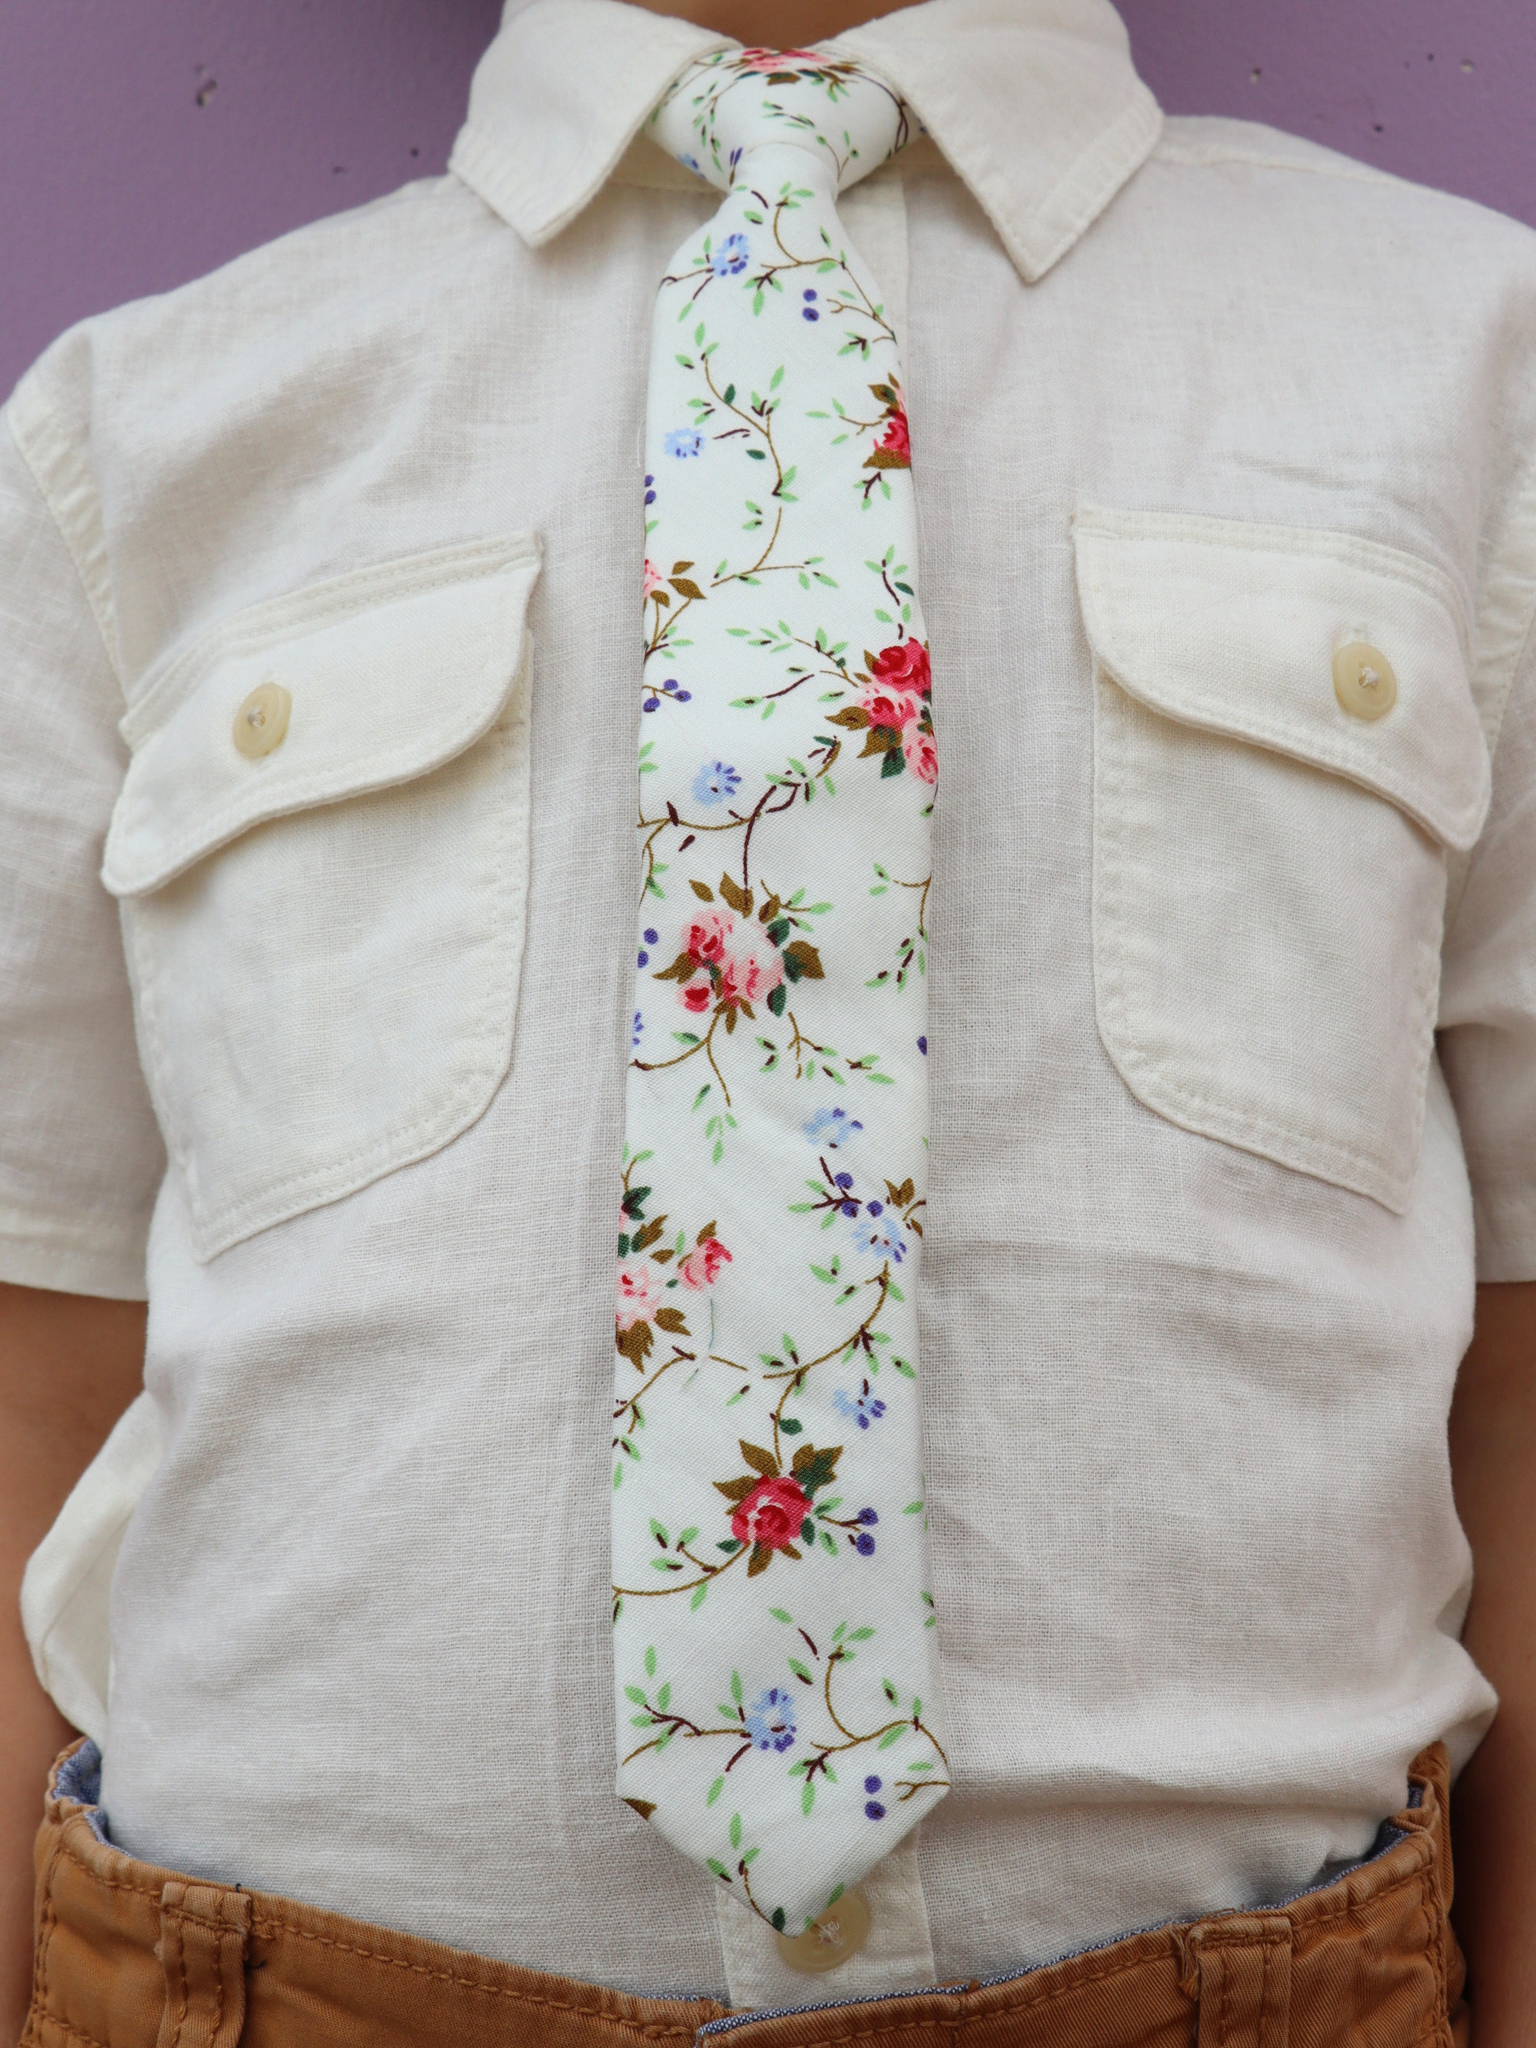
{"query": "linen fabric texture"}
(1196, 1568)
(776, 1342)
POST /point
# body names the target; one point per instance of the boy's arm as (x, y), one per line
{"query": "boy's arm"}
(69, 1366)
(1493, 1464)
(80, 1153)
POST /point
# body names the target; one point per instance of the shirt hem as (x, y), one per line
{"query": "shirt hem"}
(1506, 1242)
(70, 1257)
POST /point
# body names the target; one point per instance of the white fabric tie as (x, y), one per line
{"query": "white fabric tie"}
(774, 1637)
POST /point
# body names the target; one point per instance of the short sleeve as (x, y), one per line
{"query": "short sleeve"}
(80, 1153)
(1488, 980)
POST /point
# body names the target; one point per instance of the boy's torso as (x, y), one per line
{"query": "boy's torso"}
(1193, 1295)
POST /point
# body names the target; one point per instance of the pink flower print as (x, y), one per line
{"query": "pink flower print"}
(922, 755)
(893, 450)
(636, 1300)
(696, 994)
(903, 667)
(890, 708)
(652, 579)
(900, 678)
(771, 1514)
(751, 970)
(896, 440)
(705, 938)
(702, 1266)
(775, 60)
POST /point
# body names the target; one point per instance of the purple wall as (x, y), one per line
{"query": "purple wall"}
(141, 144)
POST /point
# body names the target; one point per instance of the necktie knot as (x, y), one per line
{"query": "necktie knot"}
(733, 103)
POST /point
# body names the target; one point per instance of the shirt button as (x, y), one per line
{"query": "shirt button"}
(261, 723)
(840, 1933)
(1363, 680)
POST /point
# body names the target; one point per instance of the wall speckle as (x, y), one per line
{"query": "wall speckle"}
(142, 145)
(1442, 91)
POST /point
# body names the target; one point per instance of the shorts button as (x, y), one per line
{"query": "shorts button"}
(1363, 680)
(840, 1933)
(261, 723)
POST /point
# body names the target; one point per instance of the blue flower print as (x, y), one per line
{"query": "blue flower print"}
(829, 1128)
(808, 310)
(683, 442)
(861, 1408)
(651, 938)
(730, 259)
(636, 1031)
(715, 782)
(872, 1806)
(770, 1720)
(650, 490)
(872, 1234)
(864, 1543)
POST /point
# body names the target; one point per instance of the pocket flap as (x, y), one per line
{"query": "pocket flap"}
(391, 671)
(1233, 628)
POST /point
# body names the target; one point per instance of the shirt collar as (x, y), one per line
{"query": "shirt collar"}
(1034, 103)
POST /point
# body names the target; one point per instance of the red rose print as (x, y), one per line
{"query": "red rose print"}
(896, 440)
(771, 1514)
(903, 667)
(696, 995)
(890, 708)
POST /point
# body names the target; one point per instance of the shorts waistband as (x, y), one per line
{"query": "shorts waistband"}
(131, 1956)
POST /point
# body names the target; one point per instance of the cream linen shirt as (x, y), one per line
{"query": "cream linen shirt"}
(1194, 405)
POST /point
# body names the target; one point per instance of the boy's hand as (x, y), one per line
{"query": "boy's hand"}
(1493, 1810)
(69, 1366)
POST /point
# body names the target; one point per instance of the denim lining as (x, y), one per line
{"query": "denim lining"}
(1387, 1837)
(79, 1778)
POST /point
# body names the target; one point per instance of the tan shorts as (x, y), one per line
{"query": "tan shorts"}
(128, 1956)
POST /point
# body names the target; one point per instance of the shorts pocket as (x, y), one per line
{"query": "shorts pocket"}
(1269, 868)
(325, 938)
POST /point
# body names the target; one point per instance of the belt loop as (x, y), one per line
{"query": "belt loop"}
(204, 1931)
(1243, 1964)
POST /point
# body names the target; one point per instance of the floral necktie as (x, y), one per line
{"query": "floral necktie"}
(774, 1636)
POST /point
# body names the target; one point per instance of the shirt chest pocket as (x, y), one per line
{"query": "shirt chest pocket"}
(1269, 841)
(321, 848)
